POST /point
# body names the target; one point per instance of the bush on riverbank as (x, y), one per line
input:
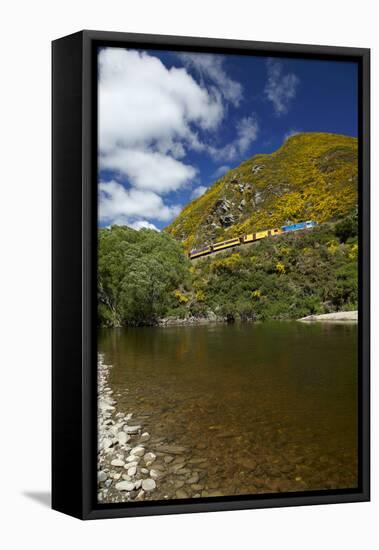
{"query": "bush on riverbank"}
(144, 276)
(139, 276)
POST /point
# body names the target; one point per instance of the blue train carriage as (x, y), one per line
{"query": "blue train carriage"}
(298, 226)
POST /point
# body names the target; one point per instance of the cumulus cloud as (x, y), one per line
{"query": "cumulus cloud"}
(280, 88)
(149, 170)
(141, 101)
(143, 224)
(198, 191)
(210, 67)
(247, 133)
(129, 206)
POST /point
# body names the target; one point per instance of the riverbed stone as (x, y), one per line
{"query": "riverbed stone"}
(149, 458)
(125, 486)
(133, 458)
(117, 462)
(137, 451)
(194, 478)
(101, 476)
(107, 443)
(179, 484)
(132, 471)
(131, 429)
(148, 484)
(171, 449)
(122, 438)
(180, 493)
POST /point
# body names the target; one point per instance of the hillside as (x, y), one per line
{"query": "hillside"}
(312, 176)
(144, 278)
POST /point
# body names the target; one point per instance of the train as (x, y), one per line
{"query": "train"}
(249, 238)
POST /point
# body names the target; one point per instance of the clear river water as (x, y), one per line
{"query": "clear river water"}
(254, 408)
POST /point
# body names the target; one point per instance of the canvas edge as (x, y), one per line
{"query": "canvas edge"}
(84, 376)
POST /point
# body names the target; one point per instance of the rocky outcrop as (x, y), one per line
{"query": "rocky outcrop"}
(339, 316)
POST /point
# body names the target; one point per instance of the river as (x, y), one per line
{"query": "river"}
(257, 408)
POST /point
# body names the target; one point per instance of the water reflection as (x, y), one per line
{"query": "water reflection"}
(266, 407)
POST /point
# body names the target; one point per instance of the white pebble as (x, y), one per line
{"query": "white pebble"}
(125, 486)
(148, 484)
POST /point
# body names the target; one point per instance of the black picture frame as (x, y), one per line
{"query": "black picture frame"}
(74, 205)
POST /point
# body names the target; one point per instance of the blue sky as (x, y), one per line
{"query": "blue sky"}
(171, 123)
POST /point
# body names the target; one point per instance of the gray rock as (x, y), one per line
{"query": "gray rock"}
(133, 458)
(131, 429)
(194, 478)
(107, 443)
(122, 438)
(125, 486)
(145, 437)
(149, 458)
(118, 462)
(105, 405)
(148, 484)
(137, 451)
(180, 493)
(132, 471)
(257, 168)
(101, 476)
(171, 449)
(227, 220)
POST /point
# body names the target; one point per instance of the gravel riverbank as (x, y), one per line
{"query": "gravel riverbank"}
(125, 470)
(133, 465)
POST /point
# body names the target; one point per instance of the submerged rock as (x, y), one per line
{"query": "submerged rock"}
(148, 484)
(125, 486)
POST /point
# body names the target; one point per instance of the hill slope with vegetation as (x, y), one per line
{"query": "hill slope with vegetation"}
(144, 276)
(312, 176)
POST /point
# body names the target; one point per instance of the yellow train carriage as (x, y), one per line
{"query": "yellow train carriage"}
(226, 244)
(201, 252)
(251, 237)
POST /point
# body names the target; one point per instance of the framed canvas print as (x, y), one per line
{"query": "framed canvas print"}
(210, 274)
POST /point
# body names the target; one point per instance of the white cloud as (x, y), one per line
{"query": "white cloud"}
(247, 133)
(141, 101)
(143, 224)
(149, 170)
(280, 88)
(128, 206)
(198, 191)
(210, 66)
(221, 170)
